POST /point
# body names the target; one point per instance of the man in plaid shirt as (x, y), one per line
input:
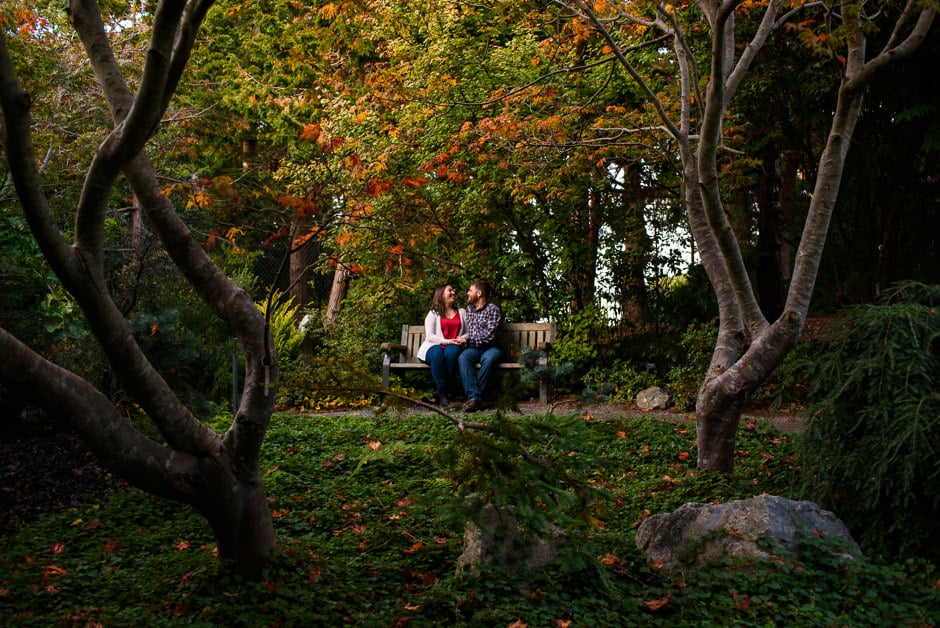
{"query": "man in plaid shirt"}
(480, 342)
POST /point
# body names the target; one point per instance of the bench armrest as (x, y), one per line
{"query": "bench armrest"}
(392, 346)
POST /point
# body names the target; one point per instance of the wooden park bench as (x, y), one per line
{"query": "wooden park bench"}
(516, 337)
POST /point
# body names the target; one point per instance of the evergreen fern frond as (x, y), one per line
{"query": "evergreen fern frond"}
(871, 446)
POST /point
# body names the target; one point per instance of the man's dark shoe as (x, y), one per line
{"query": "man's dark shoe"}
(472, 405)
(442, 399)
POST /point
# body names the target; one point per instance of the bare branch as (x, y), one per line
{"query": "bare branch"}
(899, 45)
(589, 15)
(460, 423)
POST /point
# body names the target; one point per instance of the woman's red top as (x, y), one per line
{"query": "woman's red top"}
(450, 327)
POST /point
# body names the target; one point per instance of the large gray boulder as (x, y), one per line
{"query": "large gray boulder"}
(732, 530)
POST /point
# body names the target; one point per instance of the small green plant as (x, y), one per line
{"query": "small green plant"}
(871, 449)
(523, 465)
(281, 314)
(555, 374)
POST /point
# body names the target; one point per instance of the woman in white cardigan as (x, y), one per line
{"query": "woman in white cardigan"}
(444, 322)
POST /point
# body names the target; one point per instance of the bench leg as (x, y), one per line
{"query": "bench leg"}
(543, 385)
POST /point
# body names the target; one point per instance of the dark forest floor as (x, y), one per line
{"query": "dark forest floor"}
(45, 468)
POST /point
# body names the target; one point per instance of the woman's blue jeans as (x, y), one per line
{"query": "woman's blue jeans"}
(474, 384)
(443, 363)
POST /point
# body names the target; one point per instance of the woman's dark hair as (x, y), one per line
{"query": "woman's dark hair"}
(437, 301)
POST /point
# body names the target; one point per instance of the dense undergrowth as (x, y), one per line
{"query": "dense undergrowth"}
(364, 509)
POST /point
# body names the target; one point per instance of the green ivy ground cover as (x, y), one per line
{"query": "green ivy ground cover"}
(369, 529)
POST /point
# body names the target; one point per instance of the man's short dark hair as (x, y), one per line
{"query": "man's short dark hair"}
(483, 286)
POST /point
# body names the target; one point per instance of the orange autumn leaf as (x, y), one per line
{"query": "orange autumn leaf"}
(414, 182)
(655, 605)
(310, 132)
(414, 548)
(52, 570)
(609, 559)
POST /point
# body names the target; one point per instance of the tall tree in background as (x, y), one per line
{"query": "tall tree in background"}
(501, 111)
(749, 347)
(217, 474)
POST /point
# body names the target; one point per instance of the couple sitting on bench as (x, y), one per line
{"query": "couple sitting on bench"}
(460, 338)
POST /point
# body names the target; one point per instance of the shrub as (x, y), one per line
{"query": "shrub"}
(871, 448)
(618, 383)
(327, 383)
(685, 377)
(577, 341)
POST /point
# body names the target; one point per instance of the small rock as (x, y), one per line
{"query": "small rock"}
(653, 398)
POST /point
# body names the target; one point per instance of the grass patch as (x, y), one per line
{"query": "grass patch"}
(369, 531)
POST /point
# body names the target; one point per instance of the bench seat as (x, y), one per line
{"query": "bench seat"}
(516, 337)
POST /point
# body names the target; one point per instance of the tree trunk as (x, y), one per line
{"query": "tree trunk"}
(238, 512)
(337, 294)
(729, 383)
(300, 260)
(716, 426)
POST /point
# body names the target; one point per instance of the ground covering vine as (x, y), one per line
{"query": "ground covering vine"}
(364, 509)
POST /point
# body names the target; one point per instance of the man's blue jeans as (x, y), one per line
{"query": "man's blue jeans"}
(443, 363)
(474, 384)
